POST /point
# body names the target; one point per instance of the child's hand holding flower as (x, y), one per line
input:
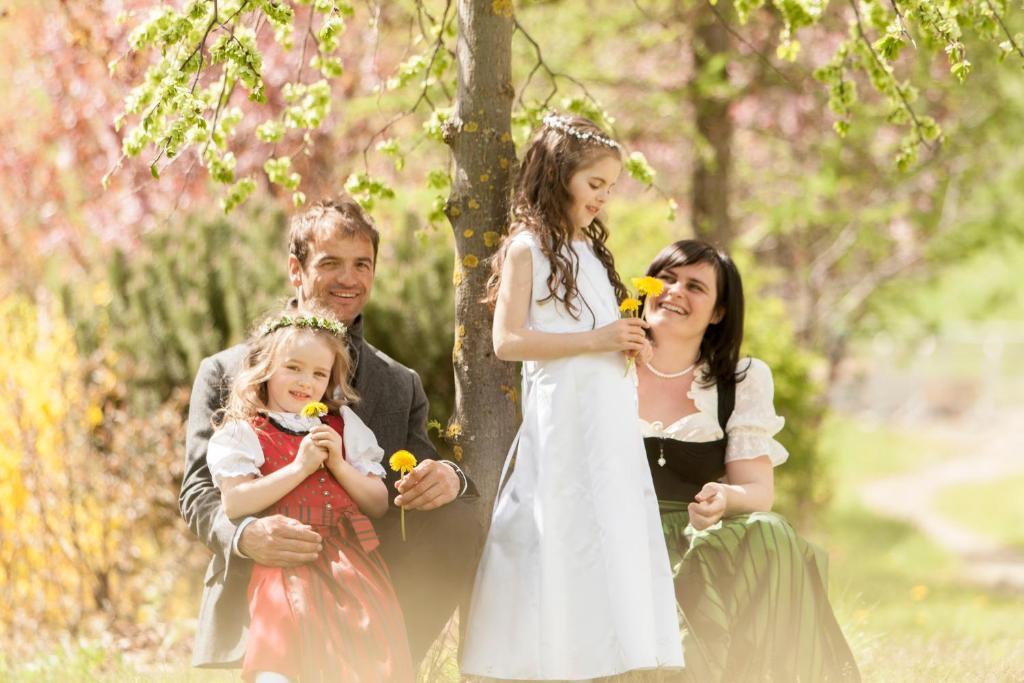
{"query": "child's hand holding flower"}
(326, 438)
(311, 456)
(646, 288)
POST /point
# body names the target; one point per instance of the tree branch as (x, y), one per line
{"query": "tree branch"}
(882, 65)
(735, 34)
(553, 76)
(424, 95)
(1006, 30)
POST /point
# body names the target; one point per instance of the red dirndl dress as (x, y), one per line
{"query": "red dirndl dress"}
(336, 618)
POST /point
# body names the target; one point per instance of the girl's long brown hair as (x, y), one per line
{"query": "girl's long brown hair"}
(540, 204)
(248, 397)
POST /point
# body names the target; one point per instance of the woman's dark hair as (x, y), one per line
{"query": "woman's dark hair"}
(720, 347)
(541, 201)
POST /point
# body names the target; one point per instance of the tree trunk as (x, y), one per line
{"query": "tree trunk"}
(479, 134)
(713, 162)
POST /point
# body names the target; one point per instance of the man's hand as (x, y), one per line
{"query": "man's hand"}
(279, 541)
(430, 485)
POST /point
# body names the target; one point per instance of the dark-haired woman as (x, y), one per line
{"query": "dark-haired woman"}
(752, 592)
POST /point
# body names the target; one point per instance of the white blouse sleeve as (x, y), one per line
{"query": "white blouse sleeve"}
(753, 423)
(361, 449)
(234, 451)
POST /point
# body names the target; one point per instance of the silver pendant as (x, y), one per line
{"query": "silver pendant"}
(661, 454)
(661, 461)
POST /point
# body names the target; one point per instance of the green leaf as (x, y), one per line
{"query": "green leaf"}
(636, 166)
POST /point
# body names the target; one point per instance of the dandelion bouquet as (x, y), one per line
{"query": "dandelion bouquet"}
(645, 287)
(402, 461)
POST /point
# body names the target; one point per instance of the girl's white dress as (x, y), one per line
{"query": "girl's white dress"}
(574, 581)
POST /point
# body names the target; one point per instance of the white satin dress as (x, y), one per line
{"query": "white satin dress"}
(574, 581)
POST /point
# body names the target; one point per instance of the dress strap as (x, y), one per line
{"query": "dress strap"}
(726, 404)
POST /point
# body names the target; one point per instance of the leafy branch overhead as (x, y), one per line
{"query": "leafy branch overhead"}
(211, 53)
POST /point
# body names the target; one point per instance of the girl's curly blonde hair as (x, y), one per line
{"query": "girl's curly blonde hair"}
(248, 397)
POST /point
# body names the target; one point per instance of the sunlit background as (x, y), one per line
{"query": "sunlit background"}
(887, 303)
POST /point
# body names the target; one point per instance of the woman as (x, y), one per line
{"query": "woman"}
(752, 592)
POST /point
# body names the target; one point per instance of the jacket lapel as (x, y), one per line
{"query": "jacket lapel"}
(367, 376)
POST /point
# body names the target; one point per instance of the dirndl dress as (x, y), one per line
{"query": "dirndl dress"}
(333, 619)
(753, 593)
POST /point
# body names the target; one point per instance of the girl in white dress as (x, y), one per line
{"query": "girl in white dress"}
(574, 582)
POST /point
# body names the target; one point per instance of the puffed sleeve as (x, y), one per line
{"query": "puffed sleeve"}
(754, 424)
(234, 451)
(361, 448)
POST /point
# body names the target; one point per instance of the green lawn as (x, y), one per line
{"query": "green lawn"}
(901, 599)
(1002, 524)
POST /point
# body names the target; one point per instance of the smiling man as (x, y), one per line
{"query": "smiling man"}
(332, 260)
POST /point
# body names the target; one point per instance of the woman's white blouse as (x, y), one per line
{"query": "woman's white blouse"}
(751, 428)
(235, 451)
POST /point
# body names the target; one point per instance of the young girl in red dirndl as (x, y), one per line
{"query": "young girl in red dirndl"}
(336, 618)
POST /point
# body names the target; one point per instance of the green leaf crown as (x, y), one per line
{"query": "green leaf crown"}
(309, 322)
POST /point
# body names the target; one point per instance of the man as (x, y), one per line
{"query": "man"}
(332, 259)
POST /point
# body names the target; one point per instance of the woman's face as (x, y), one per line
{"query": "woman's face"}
(687, 306)
(590, 188)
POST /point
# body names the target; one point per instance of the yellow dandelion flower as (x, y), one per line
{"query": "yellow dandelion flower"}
(649, 286)
(402, 461)
(629, 305)
(314, 409)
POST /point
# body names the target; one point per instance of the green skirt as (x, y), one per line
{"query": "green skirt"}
(754, 600)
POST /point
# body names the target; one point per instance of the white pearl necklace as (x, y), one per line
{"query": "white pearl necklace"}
(668, 375)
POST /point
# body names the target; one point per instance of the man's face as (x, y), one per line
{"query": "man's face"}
(338, 274)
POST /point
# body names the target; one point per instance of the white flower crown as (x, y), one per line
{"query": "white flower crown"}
(563, 125)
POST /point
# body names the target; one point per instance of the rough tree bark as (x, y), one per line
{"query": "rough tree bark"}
(712, 166)
(479, 134)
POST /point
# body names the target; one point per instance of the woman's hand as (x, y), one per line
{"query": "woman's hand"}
(622, 335)
(326, 438)
(310, 456)
(708, 506)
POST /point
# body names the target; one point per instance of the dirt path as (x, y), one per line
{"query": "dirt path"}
(997, 451)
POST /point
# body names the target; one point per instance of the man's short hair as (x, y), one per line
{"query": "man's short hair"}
(341, 215)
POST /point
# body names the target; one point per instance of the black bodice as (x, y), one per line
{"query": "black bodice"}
(689, 465)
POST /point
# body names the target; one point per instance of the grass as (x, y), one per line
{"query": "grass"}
(1002, 524)
(858, 451)
(902, 600)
